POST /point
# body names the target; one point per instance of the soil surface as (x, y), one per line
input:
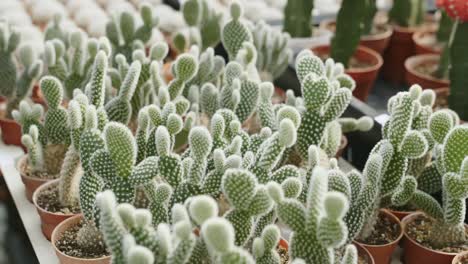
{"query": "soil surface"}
(428, 69)
(463, 260)
(385, 231)
(430, 41)
(420, 231)
(48, 200)
(68, 245)
(283, 253)
(27, 171)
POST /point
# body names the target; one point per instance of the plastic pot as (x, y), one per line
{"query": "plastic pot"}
(401, 47)
(364, 77)
(11, 132)
(383, 253)
(415, 253)
(30, 183)
(400, 214)
(49, 220)
(364, 253)
(65, 259)
(425, 42)
(37, 96)
(425, 80)
(460, 257)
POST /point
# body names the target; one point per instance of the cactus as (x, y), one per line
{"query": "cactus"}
(15, 84)
(203, 21)
(317, 228)
(326, 93)
(458, 83)
(272, 51)
(298, 18)
(54, 29)
(35, 153)
(407, 13)
(125, 36)
(369, 14)
(210, 68)
(235, 32)
(348, 30)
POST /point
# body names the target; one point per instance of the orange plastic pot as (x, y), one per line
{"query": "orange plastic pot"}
(415, 77)
(364, 77)
(30, 183)
(11, 132)
(424, 42)
(49, 220)
(460, 257)
(401, 47)
(65, 259)
(415, 253)
(382, 254)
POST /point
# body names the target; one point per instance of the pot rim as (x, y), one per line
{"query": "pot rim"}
(22, 160)
(362, 248)
(396, 241)
(36, 195)
(386, 34)
(374, 67)
(459, 256)
(317, 33)
(420, 33)
(405, 223)
(56, 235)
(412, 62)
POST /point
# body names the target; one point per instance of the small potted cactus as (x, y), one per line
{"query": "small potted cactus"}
(439, 233)
(58, 200)
(19, 74)
(46, 141)
(407, 17)
(361, 63)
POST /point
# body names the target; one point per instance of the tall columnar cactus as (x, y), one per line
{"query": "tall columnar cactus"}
(203, 21)
(235, 32)
(369, 14)
(124, 33)
(119, 109)
(326, 94)
(15, 84)
(452, 163)
(348, 30)
(298, 18)
(247, 201)
(407, 13)
(317, 228)
(273, 54)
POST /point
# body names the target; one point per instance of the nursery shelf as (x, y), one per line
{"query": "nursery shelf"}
(32, 224)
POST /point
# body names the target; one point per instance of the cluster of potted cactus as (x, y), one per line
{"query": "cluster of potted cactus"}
(142, 151)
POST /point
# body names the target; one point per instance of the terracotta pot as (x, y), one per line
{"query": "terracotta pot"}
(364, 77)
(400, 214)
(37, 96)
(65, 259)
(460, 257)
(343, 145)
(30, 183)
(425, 42)
(49, 220)
(279, 96)
(283, 243)
(364, 253)
(415, 253)
(401, 47)
(415, 77)
(383, 253)
(11, 132)
(377, 42)
(167, 72)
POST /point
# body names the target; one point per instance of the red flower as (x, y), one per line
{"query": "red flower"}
(440, 3)
(456, 9)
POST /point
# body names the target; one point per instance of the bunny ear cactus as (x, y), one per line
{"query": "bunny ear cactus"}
(235, 32)
(119, 109)
(273, 54)
(184, 69)
(35, 153)
(54, 29)
(210, 67)
(28, 115)
(16, 85)
(326, 93)
(317, 228)
(247, 201)
(297, 18)
(264, 247)
(124, 34)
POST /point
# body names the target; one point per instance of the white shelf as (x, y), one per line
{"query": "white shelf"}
(31, 221)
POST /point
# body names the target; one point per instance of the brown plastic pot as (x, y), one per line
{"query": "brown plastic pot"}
(463, 256)
(65, 259)
(343, 145)
(49, 220)
(11, 132)
(400, 214)
(364, 77)
(415, 253)
(376, 42)
(37, 96)
(424, 42)
(415, 77)
(383, 253)
(401, 47)
(364, 253)
(30, 183)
